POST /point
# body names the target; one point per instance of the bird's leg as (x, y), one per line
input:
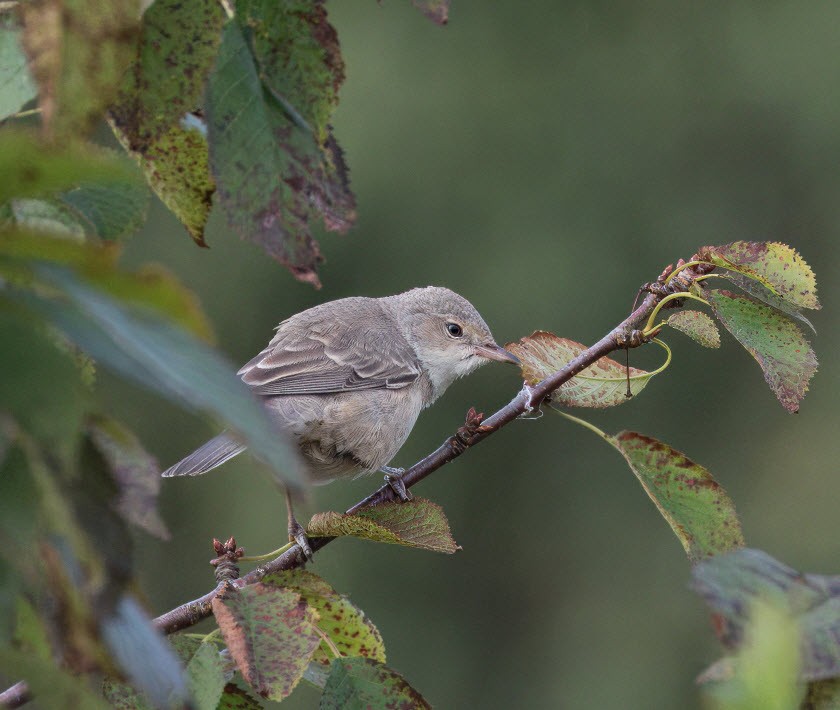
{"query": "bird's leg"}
(296, 532)
(393, 477)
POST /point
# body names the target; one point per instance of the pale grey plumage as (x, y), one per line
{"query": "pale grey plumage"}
(348, 379)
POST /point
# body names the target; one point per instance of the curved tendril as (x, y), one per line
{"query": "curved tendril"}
(674, 296)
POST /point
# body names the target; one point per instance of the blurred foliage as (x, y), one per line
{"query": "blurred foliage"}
(542, 160)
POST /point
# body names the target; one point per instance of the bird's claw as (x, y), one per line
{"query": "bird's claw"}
(298, 534)
(393, 477)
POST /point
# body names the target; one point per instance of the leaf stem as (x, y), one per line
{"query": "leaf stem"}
(268, 555)
(687, 265)
(671, 297)
(585, 424)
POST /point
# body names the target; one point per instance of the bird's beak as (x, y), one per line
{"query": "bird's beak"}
(496, 352)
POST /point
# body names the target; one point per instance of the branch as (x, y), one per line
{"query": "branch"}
(625, 335)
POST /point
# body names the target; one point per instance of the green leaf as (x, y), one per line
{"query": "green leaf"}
(52, 686)
(236, 698)
(78, 51)
(136, 472)
(763, 675)
(730, 584)
(177, 166)
(271, 635)
(756, 290)
(785, 356)
(697, 326)
(415, 523)
(143, 654)
(44, 215)
(164, 359)
(16, 85)
(365, 683)
(275, 171)
(205, 671)
(151, 286)
(341, 621)
(436, 10)
(698, 510)
(33, 168)
(603, 384)
(41, 388)
(110, 211)
(773, 264)
(178, 42)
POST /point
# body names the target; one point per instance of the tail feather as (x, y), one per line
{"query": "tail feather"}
(206, 457)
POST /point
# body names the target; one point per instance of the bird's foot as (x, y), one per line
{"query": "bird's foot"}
(298, 534)
(393, 477)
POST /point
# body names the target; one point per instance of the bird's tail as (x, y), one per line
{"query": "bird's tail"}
(214, 453)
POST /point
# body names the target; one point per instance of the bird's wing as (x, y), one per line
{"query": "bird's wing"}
(318, 352)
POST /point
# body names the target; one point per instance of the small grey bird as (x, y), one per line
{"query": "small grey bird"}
(347, 380)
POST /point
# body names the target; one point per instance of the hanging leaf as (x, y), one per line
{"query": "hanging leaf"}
(415, 523)
(785, 356)
(275, 162)
(271, 635)
(730, 584)
(764, 672)
(773, 264)
(205, 672)
(342, 621)
(365, 683)
(78, 51)
(16, 85)
(764, 294)
(602, 384)
(698, 510)
(697, 326)
(152, 353)
(137, 474)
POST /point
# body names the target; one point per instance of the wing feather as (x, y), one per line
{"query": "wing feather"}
(319, 352)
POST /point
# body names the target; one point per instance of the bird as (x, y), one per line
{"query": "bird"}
(347, 380)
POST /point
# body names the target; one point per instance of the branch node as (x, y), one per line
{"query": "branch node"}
(629, 338)
(226, 565)
(463, 438)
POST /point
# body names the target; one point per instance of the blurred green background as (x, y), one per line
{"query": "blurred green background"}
(544, 159)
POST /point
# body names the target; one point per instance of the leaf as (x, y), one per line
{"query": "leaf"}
(365, 683)
(436, 10)
(342, 621)
(698, 510)
(52, 686)
(137, 474)
(756, 290)
(151, 286)
(178, 42)
(415, 523)
(16, 85)
(697, 326)
(205, 672)
(785, 356)
(78, 51)
(731, 583)
(270, 634)
(177, 166)
(33, 168)
(110, 211)
(143, 654)
(164, 359)
(41, 388)
(773, 264)
(44, 216)
(121, 696)
(236, 698)
(602, 384)
(763, 675)
(275, 164)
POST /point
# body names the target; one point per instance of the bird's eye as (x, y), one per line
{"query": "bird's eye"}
(454, 330)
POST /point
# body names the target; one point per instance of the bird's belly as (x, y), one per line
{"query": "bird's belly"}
(347, 434)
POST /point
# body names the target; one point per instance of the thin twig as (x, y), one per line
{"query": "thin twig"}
(526, 400)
